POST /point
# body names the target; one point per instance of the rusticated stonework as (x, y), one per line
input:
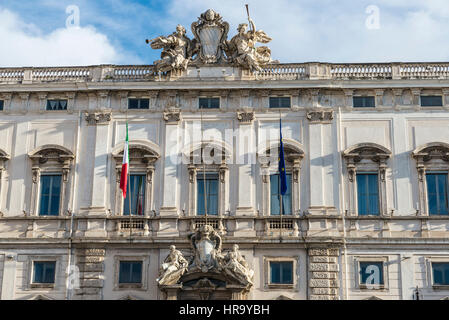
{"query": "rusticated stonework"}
(91, 268)
(323, 268)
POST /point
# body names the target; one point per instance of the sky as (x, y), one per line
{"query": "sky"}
(89, 32)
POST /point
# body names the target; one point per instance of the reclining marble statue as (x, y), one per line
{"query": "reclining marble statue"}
(242, 50)
(174, 266)
(177, 50)
(210, 46)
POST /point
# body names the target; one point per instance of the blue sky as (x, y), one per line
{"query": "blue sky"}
(34, 32)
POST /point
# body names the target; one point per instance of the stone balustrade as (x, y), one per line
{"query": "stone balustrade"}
(274, 72)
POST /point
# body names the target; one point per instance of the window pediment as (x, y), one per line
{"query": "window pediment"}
(432, 151)
(51, 154)
(293, 152)
(139, 153)
(367, 151)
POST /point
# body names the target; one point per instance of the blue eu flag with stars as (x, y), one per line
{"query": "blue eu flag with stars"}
(282, 173)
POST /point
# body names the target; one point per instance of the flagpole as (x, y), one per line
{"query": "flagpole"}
(280, 193)
(128, 194)
(204, 169)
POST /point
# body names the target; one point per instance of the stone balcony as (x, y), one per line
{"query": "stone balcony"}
(274, 72)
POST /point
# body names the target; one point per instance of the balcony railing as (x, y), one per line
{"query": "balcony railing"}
(273, 72)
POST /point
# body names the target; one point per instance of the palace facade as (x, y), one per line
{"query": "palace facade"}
(365, 216)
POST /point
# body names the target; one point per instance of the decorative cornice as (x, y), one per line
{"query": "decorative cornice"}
(172, 115)
(95, 118)
(320, 115)
(246, 117)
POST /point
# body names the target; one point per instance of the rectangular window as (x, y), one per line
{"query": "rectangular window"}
(440, 273)
(281, 272)
(437, 198)
(371, 273)
(137, 195)
(280, 102)
(207, 187)
(367, 194)
(139, 104)
(431, 101)
(44, 272)
(209, 103)
(364, 102)
(276, 198)
(50, 195)
(54, 105)
(1, 105)
(130, 272)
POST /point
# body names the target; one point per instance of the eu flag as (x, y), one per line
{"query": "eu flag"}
(282, 173)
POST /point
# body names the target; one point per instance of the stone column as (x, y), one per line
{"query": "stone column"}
(169, 209)
(9, 275)
(245, 158)
(323, 273)
(321, 161)
(101, 122)
(90, 262)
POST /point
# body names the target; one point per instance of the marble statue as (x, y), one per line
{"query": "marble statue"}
(174, 266)
(236, 267)
(177, 50)
(210, 45)
(243, 51)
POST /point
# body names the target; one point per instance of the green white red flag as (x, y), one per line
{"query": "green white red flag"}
(125, 165)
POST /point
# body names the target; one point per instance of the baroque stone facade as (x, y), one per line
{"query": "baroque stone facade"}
(325, 245)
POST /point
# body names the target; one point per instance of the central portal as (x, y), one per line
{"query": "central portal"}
(209, 274)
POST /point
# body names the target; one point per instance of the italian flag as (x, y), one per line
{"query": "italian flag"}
(125, 165)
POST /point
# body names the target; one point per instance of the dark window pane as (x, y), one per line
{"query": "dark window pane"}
(44, 271)
(280, 102)
(364, 102)
(367, 194)
(281, 272)
(54, 105)
(275, 272)
(371, 273)
(50, 195)
(437, 198)
(136, 196)
(130, 272)
(440, 273)
(1, 105)
(275, 196)
(138, 104)
(431, 101)
(207, 184)
(209, 103)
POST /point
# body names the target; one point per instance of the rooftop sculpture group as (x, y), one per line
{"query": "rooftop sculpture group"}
(207, 258)
(211, 46)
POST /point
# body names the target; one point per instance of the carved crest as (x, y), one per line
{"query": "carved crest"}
(211, 32)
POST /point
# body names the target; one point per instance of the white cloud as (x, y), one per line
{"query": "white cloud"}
(335, 31)
(25, 45)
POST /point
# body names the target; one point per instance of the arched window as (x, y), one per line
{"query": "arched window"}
(207, 166)
(366, 165)
(3, 158)
(142, 158)
(51, 166)
(432, 163)
(269, 163)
